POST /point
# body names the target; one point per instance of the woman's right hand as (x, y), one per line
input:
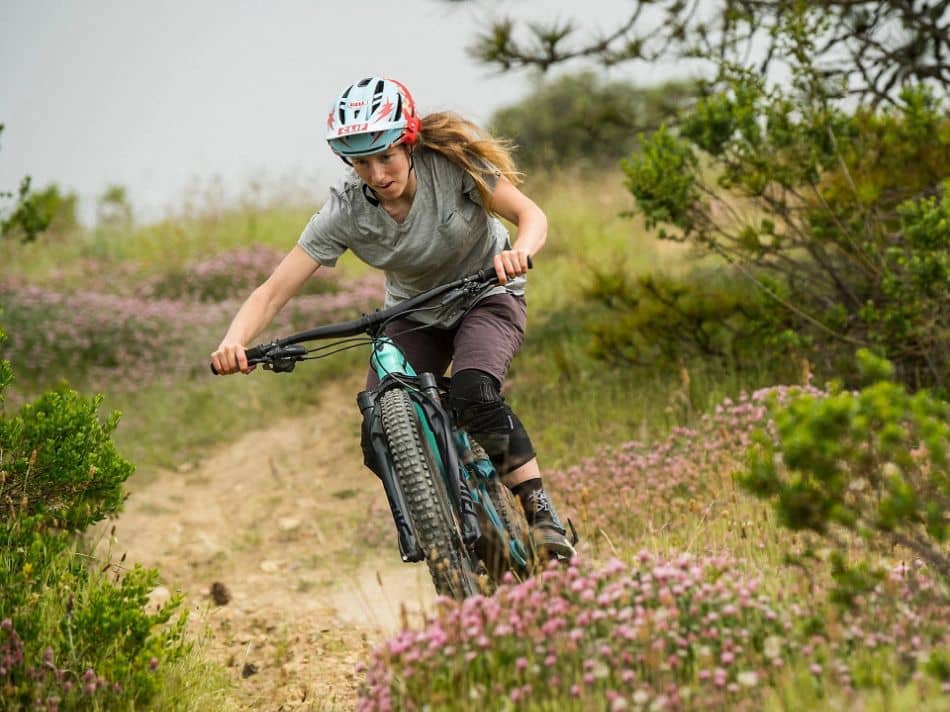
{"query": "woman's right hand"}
(257, 312)
(230, 358)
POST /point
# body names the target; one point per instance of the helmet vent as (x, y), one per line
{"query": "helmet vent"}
(377, 97)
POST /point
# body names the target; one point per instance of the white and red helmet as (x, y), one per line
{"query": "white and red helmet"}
(370, 116)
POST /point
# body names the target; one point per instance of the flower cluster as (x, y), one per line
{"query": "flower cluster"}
(652, 485)
(228, 275)
(123, 339)
(680, 633)
(48, 684)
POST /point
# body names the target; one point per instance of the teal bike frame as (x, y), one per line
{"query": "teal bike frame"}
(388, 360)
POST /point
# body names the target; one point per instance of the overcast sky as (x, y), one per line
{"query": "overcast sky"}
(163, 96)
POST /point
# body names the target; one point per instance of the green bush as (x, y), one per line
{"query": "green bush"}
(582, 120)
(57, 459)
(73, 637)
(708, 314)
(74, 634)
(843, 217)
(873, 463)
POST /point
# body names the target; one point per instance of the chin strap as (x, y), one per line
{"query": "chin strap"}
(370, 196)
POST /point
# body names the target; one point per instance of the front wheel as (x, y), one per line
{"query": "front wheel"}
(426, 497)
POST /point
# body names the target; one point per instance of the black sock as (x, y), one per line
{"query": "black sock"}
(534, 500)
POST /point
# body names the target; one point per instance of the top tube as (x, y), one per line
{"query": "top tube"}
(367, 323)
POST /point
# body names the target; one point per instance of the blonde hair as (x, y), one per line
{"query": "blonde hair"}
(470, 147)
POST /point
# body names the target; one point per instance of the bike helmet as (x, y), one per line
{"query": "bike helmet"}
(370, 116)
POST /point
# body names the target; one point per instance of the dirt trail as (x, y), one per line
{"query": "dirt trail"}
(278, 519)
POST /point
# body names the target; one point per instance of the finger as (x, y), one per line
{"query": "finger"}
(228, 360)
(524, 258)
(499, 263)
(517, 263)
(240, 358)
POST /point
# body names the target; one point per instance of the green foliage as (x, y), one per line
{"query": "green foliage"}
(583, 120)
(33, 212)
(74, 637)
(29, 215)
(842, 218)
(707, 314)
(57, 459)
(6, 373)
(71, 636)
(873, 463)
(59, 206)
(662, 178)
(825, 188)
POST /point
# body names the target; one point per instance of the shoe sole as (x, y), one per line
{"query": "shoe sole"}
(557, 549)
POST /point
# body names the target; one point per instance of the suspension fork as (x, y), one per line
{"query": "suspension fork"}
(388, 360)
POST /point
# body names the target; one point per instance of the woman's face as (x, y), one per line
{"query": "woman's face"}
(387, 173)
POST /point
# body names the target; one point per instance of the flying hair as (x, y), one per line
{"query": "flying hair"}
(470, 147)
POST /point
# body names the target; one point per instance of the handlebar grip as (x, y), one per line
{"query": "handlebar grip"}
(254, 355)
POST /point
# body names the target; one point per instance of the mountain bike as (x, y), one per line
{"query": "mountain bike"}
(448, 503)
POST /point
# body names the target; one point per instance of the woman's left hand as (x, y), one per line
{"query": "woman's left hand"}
(511, 263)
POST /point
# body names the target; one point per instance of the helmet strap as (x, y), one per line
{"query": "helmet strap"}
(370, 196)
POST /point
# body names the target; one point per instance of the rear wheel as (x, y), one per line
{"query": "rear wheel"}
(516, 526)
(426, 497)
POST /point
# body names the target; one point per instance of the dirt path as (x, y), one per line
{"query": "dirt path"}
(279, 523)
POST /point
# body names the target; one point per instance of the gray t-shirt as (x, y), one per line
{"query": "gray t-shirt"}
(446, 235)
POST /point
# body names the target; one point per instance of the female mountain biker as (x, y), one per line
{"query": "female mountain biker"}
(419, 203)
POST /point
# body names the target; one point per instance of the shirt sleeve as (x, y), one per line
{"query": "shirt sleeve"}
(325, 237)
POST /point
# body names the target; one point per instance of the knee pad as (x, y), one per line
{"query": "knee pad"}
(478, 408)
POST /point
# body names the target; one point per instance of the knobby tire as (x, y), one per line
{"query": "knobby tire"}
(427, 498)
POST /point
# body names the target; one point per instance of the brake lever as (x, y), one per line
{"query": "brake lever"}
(283, 359)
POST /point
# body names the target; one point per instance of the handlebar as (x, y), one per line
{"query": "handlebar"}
(283, 354)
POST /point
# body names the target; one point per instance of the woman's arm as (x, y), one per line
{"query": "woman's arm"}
(532, 224)
(260, 308)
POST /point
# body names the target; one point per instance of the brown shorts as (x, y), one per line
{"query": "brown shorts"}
(487, 338)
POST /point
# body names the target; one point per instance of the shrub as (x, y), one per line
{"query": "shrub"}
(841, 217)
(712, 315)
(655, 486)
(581, 120)
(58, 460)
(874, 463)
(124, 341)
(71, 637)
